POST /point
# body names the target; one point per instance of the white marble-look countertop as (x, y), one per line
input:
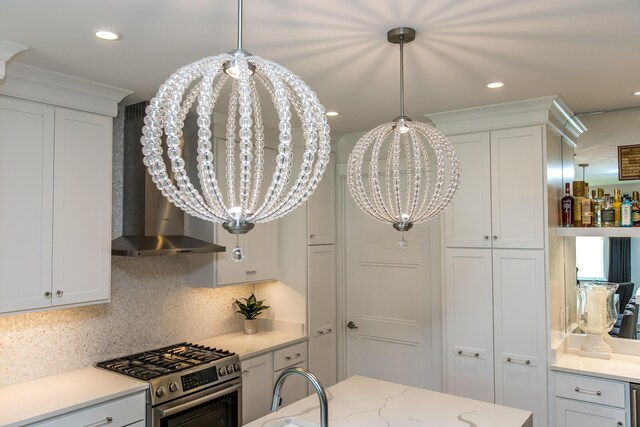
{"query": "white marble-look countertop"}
(46, 397)
(247, 346)
(622, 367)
(366, 402)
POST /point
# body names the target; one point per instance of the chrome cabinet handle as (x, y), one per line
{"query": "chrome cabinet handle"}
(245, 372)
(320, 332)
(524, 362)
(494, 237)
(312, 236)
(586, 391)
(485, 237)
(468, 353)
(619, 424)
(47, 294)
(109, 419)
(59, 293)
(351, 325)
(293, 357)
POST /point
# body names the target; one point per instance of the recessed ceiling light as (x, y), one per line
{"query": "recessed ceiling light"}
(107, 35)
(331, 113)
(637, 93)
(495, 85)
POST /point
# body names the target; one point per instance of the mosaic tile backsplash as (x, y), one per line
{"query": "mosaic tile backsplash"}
(151, 306)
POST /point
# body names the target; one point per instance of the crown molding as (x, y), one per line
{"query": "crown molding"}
(36, 84)
(544, 110)
(7, 51)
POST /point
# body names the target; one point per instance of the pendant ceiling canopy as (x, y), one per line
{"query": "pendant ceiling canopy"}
(247, 200)
(403, 172)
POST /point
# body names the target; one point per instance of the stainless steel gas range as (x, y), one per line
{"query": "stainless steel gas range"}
(190, 385)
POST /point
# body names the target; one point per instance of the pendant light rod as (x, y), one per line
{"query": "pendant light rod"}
(239, 24)
(402, 77)
(401, 35)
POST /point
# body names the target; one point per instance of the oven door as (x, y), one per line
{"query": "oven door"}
(219, 406)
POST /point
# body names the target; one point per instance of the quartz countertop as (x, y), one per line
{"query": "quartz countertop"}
(366, 402)
(46, 397)
(623, 367)
(247, 346)
(50, 396)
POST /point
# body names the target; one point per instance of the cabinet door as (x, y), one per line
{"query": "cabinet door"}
(322, 312)
(517, 200)
(26, 191)
(469, 349)
(227, 271)
(82, 208)
(321, 210)
(570, 413)
(467, 219)
(520, 331)
(257, 387)
(294, 388)
(264, 251)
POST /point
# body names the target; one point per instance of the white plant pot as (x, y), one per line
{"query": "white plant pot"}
(250, 326)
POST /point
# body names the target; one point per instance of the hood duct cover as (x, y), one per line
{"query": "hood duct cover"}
(151, 225)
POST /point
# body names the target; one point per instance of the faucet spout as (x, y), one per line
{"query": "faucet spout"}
(322, 395)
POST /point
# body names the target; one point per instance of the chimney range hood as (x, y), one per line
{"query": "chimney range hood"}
(151, 225)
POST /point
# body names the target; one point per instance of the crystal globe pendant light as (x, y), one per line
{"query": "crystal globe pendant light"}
(246, 201)
(412, 170)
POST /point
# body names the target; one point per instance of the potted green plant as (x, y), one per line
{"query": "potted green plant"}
(250, 309)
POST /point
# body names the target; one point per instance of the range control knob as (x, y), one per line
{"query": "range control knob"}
(229, 369)
(236, 367)
(160, 391)
(222, 371)
(173, 387)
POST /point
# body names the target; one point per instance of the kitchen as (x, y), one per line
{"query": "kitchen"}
(152, 302)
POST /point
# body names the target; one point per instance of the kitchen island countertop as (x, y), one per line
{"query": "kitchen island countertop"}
(366, 402)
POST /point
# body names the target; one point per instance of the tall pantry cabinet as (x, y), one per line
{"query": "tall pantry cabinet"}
(495, 266)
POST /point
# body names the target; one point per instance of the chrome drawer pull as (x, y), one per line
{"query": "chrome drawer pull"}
(468, 353)
(584, 390)
(524, 362)
(293, 357)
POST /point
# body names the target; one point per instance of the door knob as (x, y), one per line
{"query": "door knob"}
(351, 325)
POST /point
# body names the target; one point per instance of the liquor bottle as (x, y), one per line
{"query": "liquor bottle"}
(617, 203)
(635, 209)
(567, 207)
(608, 214)
(625, 212)
(587, 213)
(598, 205)
(578, 195)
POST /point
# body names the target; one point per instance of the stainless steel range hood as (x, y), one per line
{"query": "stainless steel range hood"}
(151, 225)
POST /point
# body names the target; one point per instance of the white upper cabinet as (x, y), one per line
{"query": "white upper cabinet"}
(55, 217)
(26, 207)
(517, 195)
(468, 217)
(499, 202)
(82, 208)
(321, 210)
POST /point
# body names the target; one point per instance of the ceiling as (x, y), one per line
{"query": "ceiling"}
(586, 51)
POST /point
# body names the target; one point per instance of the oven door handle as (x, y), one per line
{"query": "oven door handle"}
(190, 404)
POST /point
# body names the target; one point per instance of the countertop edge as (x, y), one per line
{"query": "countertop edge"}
(591, 373)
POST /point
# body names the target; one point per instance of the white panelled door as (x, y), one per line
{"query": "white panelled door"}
(388, 301)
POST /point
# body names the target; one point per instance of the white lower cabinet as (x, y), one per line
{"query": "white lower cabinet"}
(501, 358)
(125, 411)
(257, 387)
(259, 375)
(583, 401)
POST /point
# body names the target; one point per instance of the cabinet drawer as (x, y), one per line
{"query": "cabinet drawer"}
(289, 356)
(122, 412)
(589, 389)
